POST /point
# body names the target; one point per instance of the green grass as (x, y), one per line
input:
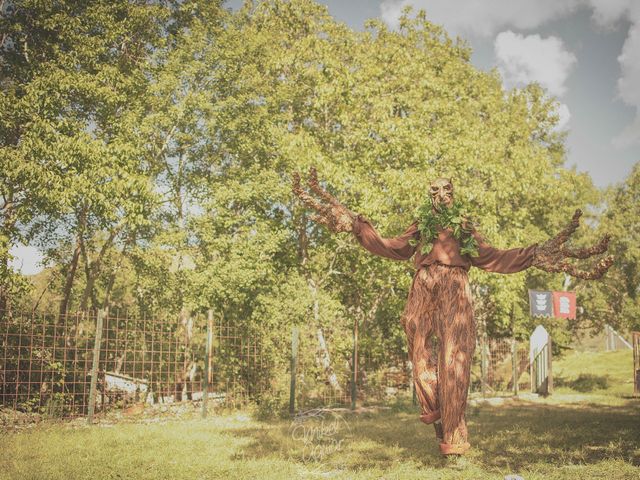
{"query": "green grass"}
(567, 435)
(616, 367)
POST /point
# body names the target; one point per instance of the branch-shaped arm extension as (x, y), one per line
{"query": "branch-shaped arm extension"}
(552, 255)
(329, 211)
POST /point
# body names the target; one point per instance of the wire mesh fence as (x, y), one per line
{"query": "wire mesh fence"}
(48, 365)
(324, 378)
(500, 365)
(47, 362)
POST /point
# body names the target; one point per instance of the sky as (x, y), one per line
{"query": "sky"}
(586, 53)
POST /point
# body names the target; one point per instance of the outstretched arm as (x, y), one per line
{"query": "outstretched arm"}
(338, 218)
(501, 261)
(551, 256)
(397, 248)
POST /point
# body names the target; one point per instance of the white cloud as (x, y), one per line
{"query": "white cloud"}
(564, 115)
(482, 17)
(608, 12)
(486, 18)
(526, 59)
(629, 81)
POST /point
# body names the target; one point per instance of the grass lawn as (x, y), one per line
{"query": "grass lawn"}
(568, 435)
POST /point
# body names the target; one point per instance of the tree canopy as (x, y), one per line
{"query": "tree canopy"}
(148, 149)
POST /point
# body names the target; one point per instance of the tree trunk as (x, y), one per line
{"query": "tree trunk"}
(114, 274)
(92, 268)
(84, 304)
(184, 383)
(324, 357)
(8, 224)
(4, 290)
(70, 277)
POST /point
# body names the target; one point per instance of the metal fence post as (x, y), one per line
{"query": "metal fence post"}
(414, 396)
(207, 364)
(514, 362)
(635, 341)
(94, 366)
(294, 366)
(483, 364)
(354, 373)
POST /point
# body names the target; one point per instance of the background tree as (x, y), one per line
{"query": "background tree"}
(615, 301)
(149, 149)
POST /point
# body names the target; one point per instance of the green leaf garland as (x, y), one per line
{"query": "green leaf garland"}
(452, 218)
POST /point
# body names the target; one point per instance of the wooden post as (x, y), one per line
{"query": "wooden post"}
(354, 374)
(414, 396)
(207, 364)
(532, 381)
(294, 366)
(94, 367)
(635, 342)
(549, 370)
(612, 336)
(483, 364)
(514, 365)
(514, 350)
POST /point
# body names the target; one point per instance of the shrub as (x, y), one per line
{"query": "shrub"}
(587, 382)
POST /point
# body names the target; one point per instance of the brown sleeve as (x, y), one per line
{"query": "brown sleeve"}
(397, 248)
(501, 261)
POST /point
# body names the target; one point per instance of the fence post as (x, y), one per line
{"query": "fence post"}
(532, 382)
(514, 363)
(412, 383)
(207, 364)
(294, 366)
(483, 364)
(549, 371)
(94, 367)
(354, 373)
(635, 341)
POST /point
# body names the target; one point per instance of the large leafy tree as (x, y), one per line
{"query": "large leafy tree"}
(159, 140)
(616, 300)
(74, 78)
(379, 113)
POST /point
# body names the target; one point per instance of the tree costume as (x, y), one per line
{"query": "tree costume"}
(445, 244)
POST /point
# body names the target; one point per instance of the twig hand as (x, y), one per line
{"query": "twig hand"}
(552, 255)
(329, 211)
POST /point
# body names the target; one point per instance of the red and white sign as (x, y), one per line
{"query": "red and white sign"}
(564, 304)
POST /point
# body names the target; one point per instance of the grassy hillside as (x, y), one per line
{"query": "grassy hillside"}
(605, 373)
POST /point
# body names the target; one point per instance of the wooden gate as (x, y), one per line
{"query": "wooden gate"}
(540, 358)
